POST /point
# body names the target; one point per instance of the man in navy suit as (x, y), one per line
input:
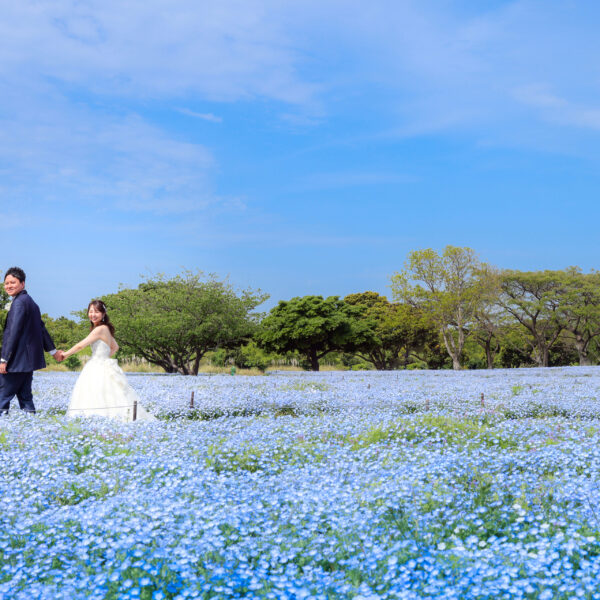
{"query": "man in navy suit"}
(23, 344)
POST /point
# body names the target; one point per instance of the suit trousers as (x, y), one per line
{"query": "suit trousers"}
(19, 385)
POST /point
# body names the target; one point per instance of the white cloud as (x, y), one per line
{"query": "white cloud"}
(204, 116)
(221, 50)
(75, 76)
(344, 179)
(9, 221)
(558, 110)
(64, 154)
(539, 96)
(460, 67)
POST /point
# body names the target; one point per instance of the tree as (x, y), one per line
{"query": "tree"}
(446, 288)
(579, 307)
(174, 322)
(515, 346)
(66, 333)
(533, 299)
(399, 330)
(250, 356)
(314, 326)
(4, 300)
(488, 316)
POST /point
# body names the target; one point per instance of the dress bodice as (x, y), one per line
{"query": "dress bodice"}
(100, 349)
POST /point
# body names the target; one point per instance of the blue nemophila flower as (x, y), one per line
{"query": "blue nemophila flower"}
(387, 485)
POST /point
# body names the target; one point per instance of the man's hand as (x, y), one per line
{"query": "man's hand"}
(59, 356)
(3, 368)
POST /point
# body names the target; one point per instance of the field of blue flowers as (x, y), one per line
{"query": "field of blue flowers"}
(305, 486)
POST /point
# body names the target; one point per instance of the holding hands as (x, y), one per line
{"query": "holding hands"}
(59, 356)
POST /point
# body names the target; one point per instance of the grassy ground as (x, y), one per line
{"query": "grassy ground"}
(145, 367)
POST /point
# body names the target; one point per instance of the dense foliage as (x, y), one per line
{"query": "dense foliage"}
(174, 322)
(450, 310)
(315, 326)
(400, 332)
(446, 288)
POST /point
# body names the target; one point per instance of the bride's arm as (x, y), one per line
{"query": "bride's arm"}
(94, 335)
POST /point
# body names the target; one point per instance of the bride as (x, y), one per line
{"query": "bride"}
(102, 388)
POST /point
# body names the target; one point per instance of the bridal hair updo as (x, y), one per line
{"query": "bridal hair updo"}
(101, 307)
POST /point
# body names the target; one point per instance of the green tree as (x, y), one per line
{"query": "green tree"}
(399, 330)
(579, 307)
(488, 317)
(314, 326)
(250, 356)
(4, 300)
(446, 288)
(174, 322)
(66, 332)
(533, 299)
(514, 346)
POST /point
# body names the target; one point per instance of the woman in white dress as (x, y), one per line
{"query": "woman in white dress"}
(102, 387)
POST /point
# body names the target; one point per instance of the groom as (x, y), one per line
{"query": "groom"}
(23, 344)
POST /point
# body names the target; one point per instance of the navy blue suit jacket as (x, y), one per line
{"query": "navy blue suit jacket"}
(25, 336)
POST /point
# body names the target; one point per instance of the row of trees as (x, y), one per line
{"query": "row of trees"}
(534, 312)
(448, 309)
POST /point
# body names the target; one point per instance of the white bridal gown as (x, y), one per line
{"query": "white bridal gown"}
(102, 389)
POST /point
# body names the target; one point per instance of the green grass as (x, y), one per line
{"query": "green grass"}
(440, 429)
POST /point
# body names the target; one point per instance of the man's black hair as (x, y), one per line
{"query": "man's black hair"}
(16, 272)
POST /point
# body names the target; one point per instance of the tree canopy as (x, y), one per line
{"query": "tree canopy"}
(174, 322)
(4, 300)
(446, 287)
(314, 326)
(398, 330)
(532, 298)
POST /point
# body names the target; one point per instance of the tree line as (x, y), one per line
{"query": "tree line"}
(447, 310)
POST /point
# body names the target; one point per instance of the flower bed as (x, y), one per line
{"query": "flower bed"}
(336, 485)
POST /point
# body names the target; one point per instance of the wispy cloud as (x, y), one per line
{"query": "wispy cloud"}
(197, 115)
(8, 221)
(61, 155)
(344, 179)
(68, 70)
(555, 109)
(219, 50)
(441, 67)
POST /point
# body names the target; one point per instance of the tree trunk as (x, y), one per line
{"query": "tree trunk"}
(314, 361)
(488, 354)
(541, 356)
(582, 350)
(452, 351)
(196, 364)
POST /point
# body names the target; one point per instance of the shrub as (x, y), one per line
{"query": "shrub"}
(72, 363)
(251, 356)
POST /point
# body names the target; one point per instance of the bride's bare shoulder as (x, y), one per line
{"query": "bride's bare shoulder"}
(103, 333)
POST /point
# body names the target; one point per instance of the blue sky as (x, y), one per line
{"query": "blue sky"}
(296, 147)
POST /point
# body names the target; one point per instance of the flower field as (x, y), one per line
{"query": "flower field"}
(360, 485)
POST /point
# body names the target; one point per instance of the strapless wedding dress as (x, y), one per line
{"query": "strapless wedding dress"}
(102, 389)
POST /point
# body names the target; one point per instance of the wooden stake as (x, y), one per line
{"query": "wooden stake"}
(134, 410)
(192, 401)
(482, 400)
